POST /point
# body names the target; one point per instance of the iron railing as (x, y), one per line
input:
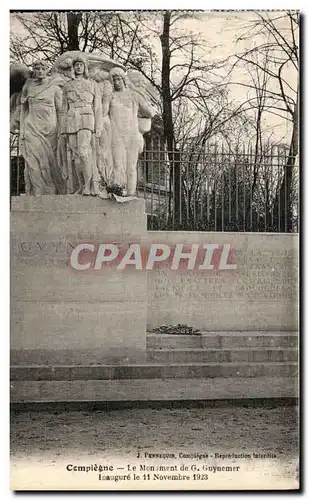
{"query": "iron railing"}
(210, 190)
(219, 190)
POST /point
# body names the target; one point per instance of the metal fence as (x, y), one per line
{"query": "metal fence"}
(218, 190)
(210, 190)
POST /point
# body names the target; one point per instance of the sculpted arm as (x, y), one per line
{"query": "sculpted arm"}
(97, 110)
(23, 108)
(106, 98)
(144, 108)
(58, 105)
(63, 112)
(15, 109)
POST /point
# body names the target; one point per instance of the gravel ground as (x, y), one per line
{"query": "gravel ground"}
(58, 436)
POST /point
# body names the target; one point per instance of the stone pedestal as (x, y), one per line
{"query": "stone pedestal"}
(58, 314)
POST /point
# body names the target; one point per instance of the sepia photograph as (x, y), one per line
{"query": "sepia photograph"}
(154, 250)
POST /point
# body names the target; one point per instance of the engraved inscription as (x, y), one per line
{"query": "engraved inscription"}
(252, 284)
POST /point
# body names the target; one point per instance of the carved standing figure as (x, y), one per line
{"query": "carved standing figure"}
(123, 106)
(81, 122)
(104, 152)
(40, 107)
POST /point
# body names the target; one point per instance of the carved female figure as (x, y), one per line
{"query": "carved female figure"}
(40, 107)
(123, 105)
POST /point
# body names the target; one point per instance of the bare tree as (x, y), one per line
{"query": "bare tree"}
(49, 34)
(44, 35)
(182, 69)
(276, 60)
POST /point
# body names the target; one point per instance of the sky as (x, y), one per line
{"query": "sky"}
(221, 29)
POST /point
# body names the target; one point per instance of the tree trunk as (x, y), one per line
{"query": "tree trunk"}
(168, 117)
(74, 20)
(284, 199)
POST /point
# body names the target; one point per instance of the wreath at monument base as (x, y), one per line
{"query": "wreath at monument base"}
(116, 193)
(115, 189)
(180, 329)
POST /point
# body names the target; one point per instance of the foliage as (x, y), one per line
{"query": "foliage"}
(179, 329)
(114, 189)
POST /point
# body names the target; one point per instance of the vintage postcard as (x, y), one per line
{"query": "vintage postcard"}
(154, 217)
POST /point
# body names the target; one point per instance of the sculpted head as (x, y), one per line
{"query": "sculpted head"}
(39, 69)
(98, 75)
(66, 68)
(80, 65)
(118, 79)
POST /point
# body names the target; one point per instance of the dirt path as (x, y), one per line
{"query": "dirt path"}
(57, 437)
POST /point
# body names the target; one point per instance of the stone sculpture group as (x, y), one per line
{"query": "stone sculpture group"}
(81, 127)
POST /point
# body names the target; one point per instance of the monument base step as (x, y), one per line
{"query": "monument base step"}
(226, 355)
(215, 368)
(164, 355)
(154, 371)
(209, 347)
(223, 340)
(100, 394)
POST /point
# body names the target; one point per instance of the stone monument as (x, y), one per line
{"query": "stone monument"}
(81, 126)
(40, 106)
(81, 133)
